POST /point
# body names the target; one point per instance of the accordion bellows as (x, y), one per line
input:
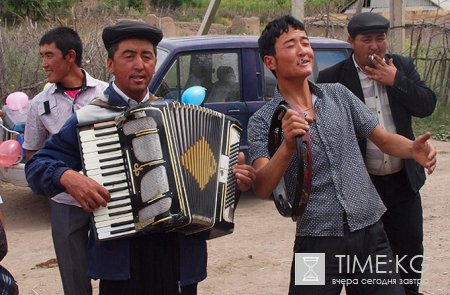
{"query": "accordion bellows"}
(167, 167)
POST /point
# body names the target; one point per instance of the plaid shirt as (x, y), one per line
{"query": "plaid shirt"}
(341, 187)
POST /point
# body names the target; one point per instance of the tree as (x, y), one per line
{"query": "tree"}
(34, 9)
(20, 8)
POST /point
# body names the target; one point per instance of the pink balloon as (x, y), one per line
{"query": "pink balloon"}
(9, 152)
(17, 101)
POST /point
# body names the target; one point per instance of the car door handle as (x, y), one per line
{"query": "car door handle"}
(234, 111)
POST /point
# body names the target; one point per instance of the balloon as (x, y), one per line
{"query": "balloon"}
(17, 101)
(10, 153)
(194, 95)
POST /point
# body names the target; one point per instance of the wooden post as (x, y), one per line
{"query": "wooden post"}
(298, 9)
(209, 17)
(3, 76)
(359, 6)
(397, 19)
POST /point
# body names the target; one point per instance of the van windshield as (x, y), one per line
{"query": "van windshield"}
(161, 55)
(327, 58)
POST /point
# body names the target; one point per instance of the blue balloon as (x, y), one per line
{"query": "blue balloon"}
(194, 95)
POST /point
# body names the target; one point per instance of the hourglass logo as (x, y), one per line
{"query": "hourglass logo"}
(310, 268)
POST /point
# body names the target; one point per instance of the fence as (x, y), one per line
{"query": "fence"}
(429, 48)
(427, 45)
(20, 70)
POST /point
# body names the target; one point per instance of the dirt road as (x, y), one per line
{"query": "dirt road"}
(255, 259)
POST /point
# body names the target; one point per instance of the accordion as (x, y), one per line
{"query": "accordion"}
(167, 167)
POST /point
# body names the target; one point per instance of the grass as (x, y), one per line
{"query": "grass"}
(438, 123)
(265, 10)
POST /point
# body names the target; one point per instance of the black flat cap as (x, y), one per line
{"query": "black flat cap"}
(367, 22)
(126, 29)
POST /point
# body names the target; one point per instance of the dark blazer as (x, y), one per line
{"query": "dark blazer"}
(408, 97)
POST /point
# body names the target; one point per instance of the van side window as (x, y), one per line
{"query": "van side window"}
(217, 72)
(270, 82)
(324, 58)
(225, 78)
(197, 68)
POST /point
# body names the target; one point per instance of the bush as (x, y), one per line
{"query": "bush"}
(19, 53)
(34, 9)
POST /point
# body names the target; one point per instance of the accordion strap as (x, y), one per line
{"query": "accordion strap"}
(103, 104)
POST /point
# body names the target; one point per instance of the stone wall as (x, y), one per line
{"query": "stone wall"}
(171, 28)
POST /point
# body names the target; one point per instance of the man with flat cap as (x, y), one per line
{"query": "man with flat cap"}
(145, 264)
(391, 87)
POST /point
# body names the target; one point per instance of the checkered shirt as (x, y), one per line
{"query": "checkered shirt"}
(341, 187)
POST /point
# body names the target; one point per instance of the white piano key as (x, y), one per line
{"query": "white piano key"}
(102, 141)
(105, 220)
(99, 171)
(96, 156)
(119, 195)
(93, 139)
(115, 203)
(91, 134)
(120, 175)
(94, 148)
(104, 236)
(96, 164)
(117, 187)
(109, 229)
(107, 211)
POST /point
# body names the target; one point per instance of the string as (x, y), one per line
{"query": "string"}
(305, 111)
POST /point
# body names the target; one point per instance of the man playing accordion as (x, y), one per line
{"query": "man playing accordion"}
(142, 264)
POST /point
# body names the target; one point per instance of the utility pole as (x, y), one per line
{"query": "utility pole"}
(397, 19)
(298, 9)
(209, 17)
(359, 6)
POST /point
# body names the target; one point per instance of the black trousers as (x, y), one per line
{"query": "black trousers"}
(154, 267)
(369, 243)
(403, 223)
(189, 289)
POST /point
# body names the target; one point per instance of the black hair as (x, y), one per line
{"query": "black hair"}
(273, 30)
(65, 39)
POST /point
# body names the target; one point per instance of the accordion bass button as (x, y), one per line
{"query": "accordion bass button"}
(223, 168)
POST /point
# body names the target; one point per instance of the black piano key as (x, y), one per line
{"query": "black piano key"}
(118, 189)
(120, 213)
(123, 223)
(114, 182)
(111, 166)
(109, 150)
(113, 232)
(102, 144)
(100, 134)
(110, 159)
(113, 172)
(118, 206)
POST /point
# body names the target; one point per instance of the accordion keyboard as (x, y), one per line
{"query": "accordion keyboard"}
(103, 162)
